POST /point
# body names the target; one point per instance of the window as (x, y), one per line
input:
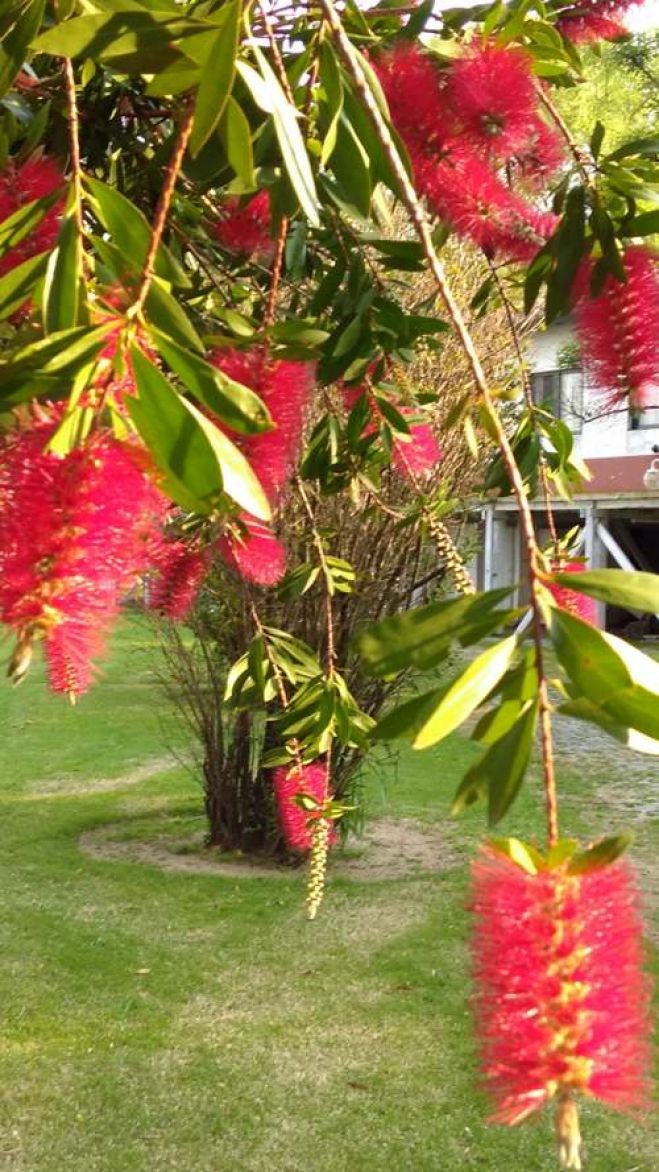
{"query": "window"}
(649, 416)
(561, 392)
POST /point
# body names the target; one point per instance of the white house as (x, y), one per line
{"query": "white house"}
(618, 508)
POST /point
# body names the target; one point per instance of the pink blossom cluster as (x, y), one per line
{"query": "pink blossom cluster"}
(561, 999)
(468, 126)
(571, 600)
(415, 456)
(289, 783)
(247, 228)
(619, 330)
(594, 20)
(75, 534)
(285, 387)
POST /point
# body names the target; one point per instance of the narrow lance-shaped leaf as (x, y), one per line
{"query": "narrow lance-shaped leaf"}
(236, 405)
(14, 46)
(467, 692)
(632, 589)
(17, 285)
(236, 135)
(269, 96)
(131, 231)
(62, 286)
(499, 773)
(175, 439)
(617, 679)
(421, 637)
(217, 77)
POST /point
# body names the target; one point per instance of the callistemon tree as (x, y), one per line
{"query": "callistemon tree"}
(209, 212)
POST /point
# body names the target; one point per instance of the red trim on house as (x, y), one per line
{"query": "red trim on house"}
(616, 474)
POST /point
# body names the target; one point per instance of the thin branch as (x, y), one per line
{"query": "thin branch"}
(162, 209)
(422, 227)
(74, 142)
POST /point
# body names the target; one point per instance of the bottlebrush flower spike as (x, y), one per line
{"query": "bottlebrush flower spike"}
(413, 87)
(561, 1000)
(180, 569)
(74, 534)
(577, 604)
(540, 156)
(618, 330)
(285, 388)
(418, 455)
(492, 99)
(254, 551)
(594, 20)
(247, 228)
(19, 185)
(289, 782)
(466, 193)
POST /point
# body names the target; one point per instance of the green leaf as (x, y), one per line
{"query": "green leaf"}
(236, 405)
(631, 589)
(407, 719)
(601, 854)
(612, 674)
(131, 231)
(330, 78)
(217, 77)
(596, 139)
(236, 135)
(133, 40)
(62, 289)
(198, 460)
(638, 146)
(175, 439)
(421, 637)
(14, 46)
(523, 854)
(17, 285)
(467, 693)
(19, 225)
(499, 773)
(269, 96)
(351, 166)
(644, 225)
(165, 313)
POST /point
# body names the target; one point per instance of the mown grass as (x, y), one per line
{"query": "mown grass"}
(155, 1020)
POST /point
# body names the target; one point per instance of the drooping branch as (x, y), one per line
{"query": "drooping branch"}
(162, 209)
(422, 227)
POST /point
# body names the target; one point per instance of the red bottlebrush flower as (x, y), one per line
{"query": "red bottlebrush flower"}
(418, 455)
(577, 604)
(248, 228)
(285, 388)
(297, 823)
(74, 535)
(561, 1000)
(492, 99)
(594, 20)
(33, 179)
(467, 194)
(255, 552)
(413, 87)
(619, 328)
(540, 156)
(180, 570)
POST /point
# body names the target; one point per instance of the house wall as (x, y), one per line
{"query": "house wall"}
(604, 434)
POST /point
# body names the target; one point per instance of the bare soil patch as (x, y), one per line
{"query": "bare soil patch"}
(390, 849)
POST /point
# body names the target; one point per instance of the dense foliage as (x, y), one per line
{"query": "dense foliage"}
(209, 215)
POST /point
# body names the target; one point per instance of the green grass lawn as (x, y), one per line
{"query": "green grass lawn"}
(156, 1020)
